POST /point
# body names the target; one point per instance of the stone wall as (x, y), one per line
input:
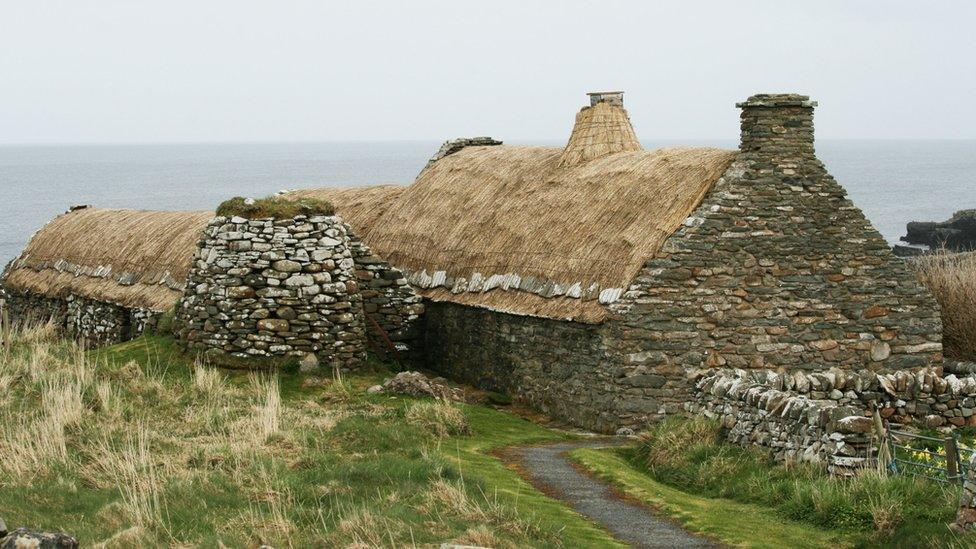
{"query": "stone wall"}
(96, 322)
(921, 397)
(803, 415)
(792, 427)
(558, 367)
(454, 145)
(392, 310)
(274, 289)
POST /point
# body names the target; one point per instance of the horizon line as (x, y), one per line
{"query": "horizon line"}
(368, 141)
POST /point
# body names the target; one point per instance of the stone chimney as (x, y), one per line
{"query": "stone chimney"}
(615, 98)
(777, 123)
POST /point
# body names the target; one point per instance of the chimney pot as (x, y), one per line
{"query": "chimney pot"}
(615, 98)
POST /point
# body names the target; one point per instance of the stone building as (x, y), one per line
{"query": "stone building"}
(104, 275)
(594, 281)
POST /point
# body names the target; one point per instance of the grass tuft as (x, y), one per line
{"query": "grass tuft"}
(135, 445)
(952, 280)
(442, 418)
(273, 207)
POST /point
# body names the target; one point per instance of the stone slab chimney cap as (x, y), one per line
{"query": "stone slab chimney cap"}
(777, 100)
(611, 97)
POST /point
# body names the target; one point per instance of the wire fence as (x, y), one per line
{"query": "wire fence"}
(943, 459)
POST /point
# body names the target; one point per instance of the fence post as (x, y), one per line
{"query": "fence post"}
(884, 454)
(5, 326)
(952, 458)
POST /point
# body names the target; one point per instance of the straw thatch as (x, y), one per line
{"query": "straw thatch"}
(513, 229)
(361, 206)
(599, 130)
(128, 257)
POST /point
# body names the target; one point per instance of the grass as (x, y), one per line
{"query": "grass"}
(273, 207)
(868, 510)
(135, 444)
(736, 524)
(952, 280)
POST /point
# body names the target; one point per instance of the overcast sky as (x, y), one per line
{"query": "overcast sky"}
(236, 70)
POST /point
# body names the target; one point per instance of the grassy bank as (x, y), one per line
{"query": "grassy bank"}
(134, 444)
(869, 510)
(734, 523)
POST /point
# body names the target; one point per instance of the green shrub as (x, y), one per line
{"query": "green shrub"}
(164, 326)
(273, 207)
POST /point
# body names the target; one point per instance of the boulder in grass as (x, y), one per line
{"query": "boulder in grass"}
(417, 384)
(22, 538)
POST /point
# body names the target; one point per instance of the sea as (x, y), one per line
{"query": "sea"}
(893, 181)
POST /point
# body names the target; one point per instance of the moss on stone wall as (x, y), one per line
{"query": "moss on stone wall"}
(273, 207)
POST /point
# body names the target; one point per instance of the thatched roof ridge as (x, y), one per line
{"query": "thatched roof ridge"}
(511, 228)
(133, 258)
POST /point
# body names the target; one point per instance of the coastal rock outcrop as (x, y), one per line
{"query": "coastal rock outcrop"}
(957, 234)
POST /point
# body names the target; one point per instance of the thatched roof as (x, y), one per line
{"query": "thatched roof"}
(540, 231)
(128, 257)
(545, 231)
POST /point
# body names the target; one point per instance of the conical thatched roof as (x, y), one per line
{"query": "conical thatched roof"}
(599, 130)
(128, 257)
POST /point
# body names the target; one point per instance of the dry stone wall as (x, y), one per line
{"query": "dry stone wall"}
(793, 427)
(392, 309)
(806, 416)
(274, 289)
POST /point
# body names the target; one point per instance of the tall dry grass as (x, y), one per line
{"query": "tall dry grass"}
(134, 471)
(33, 440)
(952, 280)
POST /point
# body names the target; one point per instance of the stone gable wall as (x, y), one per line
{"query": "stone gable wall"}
(776, 269)
(274, 289)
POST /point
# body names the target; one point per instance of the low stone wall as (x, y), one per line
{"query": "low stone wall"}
(392, 309)
(274, 289)
(799, 415)
(792, 427)
(97, 322)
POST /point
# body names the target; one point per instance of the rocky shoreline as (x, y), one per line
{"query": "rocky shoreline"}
(956, 234)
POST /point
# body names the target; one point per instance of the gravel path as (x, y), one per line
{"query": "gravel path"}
(549, 469)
